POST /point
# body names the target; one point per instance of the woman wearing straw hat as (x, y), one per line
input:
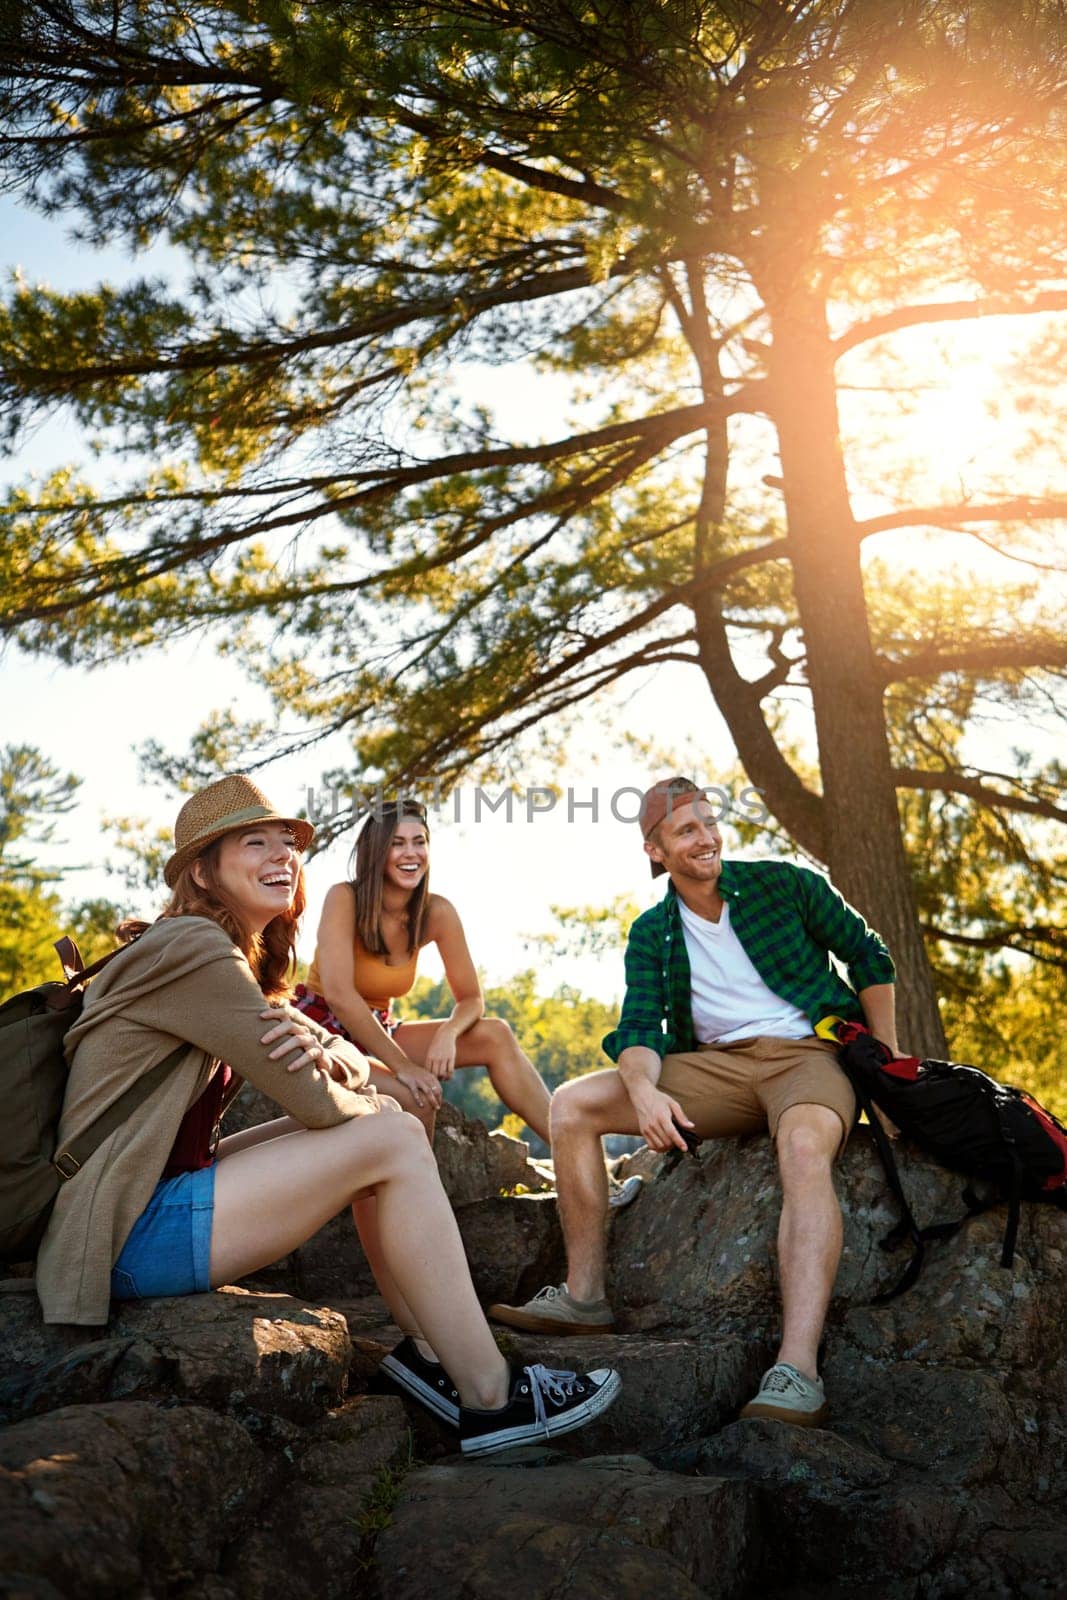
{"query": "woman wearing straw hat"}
(160, 1208)
(366, 955)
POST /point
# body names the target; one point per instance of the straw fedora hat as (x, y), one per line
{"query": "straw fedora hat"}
(233, 802)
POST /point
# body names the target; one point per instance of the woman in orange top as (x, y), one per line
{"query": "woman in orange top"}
(368, 948)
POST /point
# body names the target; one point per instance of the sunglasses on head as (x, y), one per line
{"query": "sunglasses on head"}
(395, 809)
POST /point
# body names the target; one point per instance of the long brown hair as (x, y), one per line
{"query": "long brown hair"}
(368, 874)
(271, 954)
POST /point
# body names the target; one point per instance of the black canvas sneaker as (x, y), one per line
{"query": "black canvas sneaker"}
(543, 1403)
(425, 1381)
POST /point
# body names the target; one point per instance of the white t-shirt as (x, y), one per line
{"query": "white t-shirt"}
(730, 999)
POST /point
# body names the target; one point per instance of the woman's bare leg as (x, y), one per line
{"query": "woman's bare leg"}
(365, 1216)
(273, 1196)
(490, 1044)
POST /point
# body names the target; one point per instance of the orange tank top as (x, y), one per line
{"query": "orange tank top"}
(377, 981)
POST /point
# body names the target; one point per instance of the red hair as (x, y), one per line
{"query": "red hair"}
(271, 954)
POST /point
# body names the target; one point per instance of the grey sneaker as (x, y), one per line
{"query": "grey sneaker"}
(624, 1193)
(785, 1395)
(553, 1311)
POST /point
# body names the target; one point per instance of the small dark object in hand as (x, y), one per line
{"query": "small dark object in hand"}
(693, 1140)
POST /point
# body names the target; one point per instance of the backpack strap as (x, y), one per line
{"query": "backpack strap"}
(85, 973)
(907, 1227)
(69, 955)
(62, 995)
(1011, 1227)
(74, 1155)
(1015, 1185)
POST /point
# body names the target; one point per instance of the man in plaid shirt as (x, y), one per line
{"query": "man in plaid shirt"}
(727, 979)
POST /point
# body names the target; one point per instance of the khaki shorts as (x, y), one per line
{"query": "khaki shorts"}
(744, 1087)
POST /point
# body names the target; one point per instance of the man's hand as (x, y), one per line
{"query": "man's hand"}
(656, 1116)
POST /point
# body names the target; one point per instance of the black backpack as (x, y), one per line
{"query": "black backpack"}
(33, 1078)
(966, 1121)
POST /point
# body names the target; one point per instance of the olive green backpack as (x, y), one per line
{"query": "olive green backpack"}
(33, 1079)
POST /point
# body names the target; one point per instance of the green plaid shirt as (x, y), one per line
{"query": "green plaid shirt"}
(788, 919)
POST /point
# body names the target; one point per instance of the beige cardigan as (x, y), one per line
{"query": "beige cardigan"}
(183, 979)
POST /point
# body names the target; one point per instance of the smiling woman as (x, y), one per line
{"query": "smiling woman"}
(258, 870)
(162, 1207)
(369, 939)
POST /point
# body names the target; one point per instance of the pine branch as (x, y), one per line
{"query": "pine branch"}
(1023, 508)
(959, 783)
(1020, 656)
(949, 311)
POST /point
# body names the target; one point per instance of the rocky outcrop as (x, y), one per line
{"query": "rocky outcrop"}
(219, 1445)
(253, 1355)
(122, 1498)
(609, 1525)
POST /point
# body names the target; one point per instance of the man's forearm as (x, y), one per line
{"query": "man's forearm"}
(639, 1069)
(880, 1009)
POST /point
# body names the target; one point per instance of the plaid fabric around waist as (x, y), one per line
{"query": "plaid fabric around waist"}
(317, 1007)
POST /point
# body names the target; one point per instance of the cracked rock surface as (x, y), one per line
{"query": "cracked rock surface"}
(240, 1444)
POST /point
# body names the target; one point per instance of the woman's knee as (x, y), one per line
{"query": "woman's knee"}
(393, 1089)
(403, 1139)
(495, 1038)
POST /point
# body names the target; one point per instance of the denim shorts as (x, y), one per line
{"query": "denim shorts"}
(169, 1247)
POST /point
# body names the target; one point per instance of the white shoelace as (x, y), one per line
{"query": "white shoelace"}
(782, 1379)
(550, 1292)
(559, 1386)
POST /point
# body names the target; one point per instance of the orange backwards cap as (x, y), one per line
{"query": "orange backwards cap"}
(665, 798)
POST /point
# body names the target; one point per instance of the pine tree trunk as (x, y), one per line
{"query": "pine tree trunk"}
(864, 847)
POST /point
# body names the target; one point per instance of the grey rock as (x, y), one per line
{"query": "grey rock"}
(258, 1354)
(938, 1477)
(508, 1246)
(319, 1532)
(123, 1499)
(674, 1391)
(588, 1532)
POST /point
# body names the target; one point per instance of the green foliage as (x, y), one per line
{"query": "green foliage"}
(376, 1512)
(560, 1033)
(29, 922)
(1009, 1021)
(33, 795)
(589, 930)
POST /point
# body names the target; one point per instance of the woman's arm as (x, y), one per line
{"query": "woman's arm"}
(445, 930)
(216, 1004)
(334, 954)
(297, 1041)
